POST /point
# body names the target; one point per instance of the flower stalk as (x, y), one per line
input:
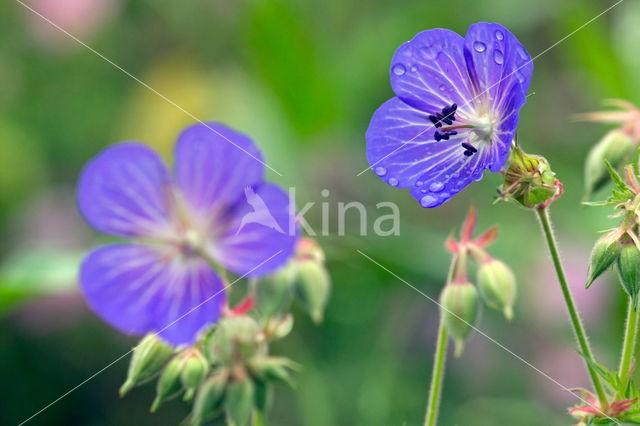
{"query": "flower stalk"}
(439, 360)
(628, 346)
(576, 322)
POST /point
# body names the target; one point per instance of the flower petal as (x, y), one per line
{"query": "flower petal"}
(139, 289)
(496, 59)
(401, 145)
(124, 191)
(446, 178)
(261, 233)
(213, 164)
(429, 72)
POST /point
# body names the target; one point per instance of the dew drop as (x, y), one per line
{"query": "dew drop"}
(445, 195)
(477, 177)
(399, 69)
(521, 78)
(419, 183)
(393, 181)
(498, 57)
(414, 68)
(499, 35)
(380, 171)
(436, 187)
(443, 87)
(479, 46)
(428, 201)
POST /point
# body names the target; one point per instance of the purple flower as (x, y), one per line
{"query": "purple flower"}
(215, 209)
(455, 112)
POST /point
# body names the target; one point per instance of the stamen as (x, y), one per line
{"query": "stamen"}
(447, 116)
(469, 149)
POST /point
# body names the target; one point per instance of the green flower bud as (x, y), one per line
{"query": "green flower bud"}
(273, 369)
(604, 253)
(312, 288)
(239, 401)
(207, 402)
(614, 147)
(497, 286)
(529, 180)
(281, 328)
(273, 292)
(168, 384)
(459, 310)
(629, 270)
(235, 337)
(148, 358)
(194, 371)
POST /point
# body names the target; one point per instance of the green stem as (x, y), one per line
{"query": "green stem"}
(435, 390)
(628, 347)
(439, 358)
(578, 328)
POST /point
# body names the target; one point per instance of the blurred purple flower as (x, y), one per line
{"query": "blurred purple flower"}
(163, 280)
(82, 18)
(455, 112)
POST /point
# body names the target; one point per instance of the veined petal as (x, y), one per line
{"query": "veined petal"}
(213, 164)
(429, 72)
(140, 289)
(446, 178)
(260, 232)
(495, 60)
(125, 191)
(401, 145)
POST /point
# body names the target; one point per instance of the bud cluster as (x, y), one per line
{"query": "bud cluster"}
(529, 180)
(459, 299)
(616, 146)
(227, 374)
(622, 244)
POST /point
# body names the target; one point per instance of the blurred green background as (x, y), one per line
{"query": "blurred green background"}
(303, 79)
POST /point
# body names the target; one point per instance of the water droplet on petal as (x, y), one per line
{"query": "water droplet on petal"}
(479, 46)
(393, 181)
(380, 171)
(443, 87)
(444, 195)
(477, 177)
(521, 78)
(419, 183)
(428, 201)
(498, 57)
(398, 69)
(414, 68)
(523, 53)
(436, 187)
(499, 35)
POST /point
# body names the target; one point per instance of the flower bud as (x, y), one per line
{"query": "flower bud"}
(497, 286)
(194, 370)
(629, 270)
(235, 337)
(168, 384)
(614, 147)
(273, 369)
(459, 310)
(148, 358)
(208, 399)
(274, 292)
(604, 253)
(529, 180)
(239, 401)
(312, 288)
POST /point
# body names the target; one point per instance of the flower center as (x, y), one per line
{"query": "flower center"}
(191, 243)
(480, 129)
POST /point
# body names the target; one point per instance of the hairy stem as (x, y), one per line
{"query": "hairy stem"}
(435, 390)
(628, 347)
(576, 322)
(439, 358)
